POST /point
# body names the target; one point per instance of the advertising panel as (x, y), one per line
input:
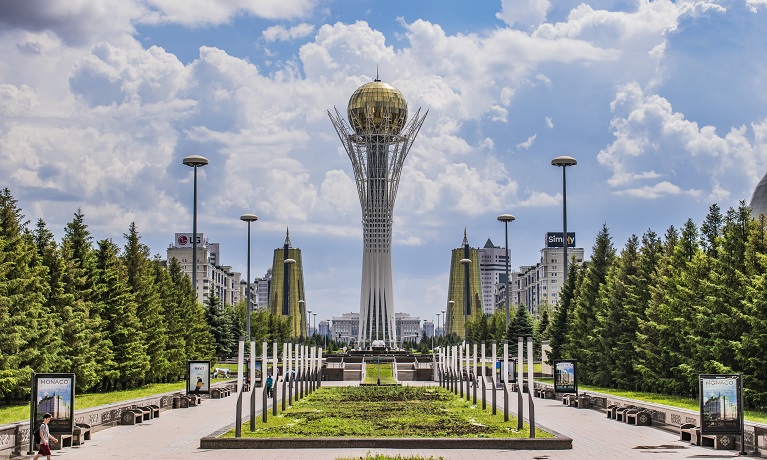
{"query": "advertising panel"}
(198, 377)
(55, 394)
(512, 370)
(721, 408)
(555, 240)
(565, 376)
(184, 240)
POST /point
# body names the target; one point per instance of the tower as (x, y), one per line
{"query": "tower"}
(377, 139)
(286, 296)
(464, 289)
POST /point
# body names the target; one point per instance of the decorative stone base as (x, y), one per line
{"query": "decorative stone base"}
(557, 443)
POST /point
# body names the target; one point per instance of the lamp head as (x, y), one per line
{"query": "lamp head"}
(465, 261)
(564, 161)
(506, 218)
(195, 160)
(249, 217)
(290, 261)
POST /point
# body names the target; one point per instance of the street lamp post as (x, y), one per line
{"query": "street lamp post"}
(195, 161)
(435, 330)
(308, 322)
(248, 218)
(314, 328)
(506, 218)
(466, 306)
(564, 162)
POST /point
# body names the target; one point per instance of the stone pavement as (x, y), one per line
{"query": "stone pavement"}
(176, 434)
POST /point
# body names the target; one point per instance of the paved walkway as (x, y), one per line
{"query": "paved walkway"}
(176, 434)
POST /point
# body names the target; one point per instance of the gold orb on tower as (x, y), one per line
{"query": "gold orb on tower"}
(377, 108)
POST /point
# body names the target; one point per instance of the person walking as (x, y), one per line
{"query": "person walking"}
(269, 385)
(45, 438)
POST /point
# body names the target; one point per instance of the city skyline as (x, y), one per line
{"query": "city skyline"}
(101, 101)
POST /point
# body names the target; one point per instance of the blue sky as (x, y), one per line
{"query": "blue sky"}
(663, 104)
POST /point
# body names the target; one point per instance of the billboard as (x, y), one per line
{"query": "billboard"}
(512, 370)
(198, 377)
(184, 240)
(54, 394)
(554, 239)
(721, 407)
(565, 376)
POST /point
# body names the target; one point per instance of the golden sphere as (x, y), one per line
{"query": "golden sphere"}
(377, 108)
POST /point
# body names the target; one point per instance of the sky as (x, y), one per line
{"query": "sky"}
(663, 104)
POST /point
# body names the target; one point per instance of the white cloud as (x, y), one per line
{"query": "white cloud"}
(201, 12)
(653, 143)
(527, 13)
(280, 33)
(528, 143)
(549, 123)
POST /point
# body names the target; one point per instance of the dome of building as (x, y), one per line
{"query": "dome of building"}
(759, 198)
(377, 108)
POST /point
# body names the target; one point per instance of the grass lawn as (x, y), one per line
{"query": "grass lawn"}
(14, 414)
(673, 401)
(386, 373)
(373, 411)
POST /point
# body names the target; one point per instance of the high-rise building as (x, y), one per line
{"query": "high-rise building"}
(408, 327)
(542, 283)
(377, 139)
(464, 292)
(492, 271)
(286, 295)
(212, 277)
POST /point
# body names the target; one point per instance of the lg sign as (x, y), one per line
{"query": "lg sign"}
(185, 239)
(555, 240)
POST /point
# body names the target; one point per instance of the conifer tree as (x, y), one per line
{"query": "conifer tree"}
(751, 356)
(561, 322)
(23, 348)
(118, 307)
(171, 302)
(149, 311)
(521, 325)
(86, 345)
(197, 336)
(220, 326)
(55, 301)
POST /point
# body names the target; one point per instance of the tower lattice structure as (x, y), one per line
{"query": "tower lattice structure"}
(377, 139)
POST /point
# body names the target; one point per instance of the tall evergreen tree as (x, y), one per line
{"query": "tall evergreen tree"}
(23, 348)
(521, 325)
(616, 322)
(583, 320)
(751, 356)
(170, 299)
(561, 322)
(149, 311)
(220, 326)
(197, 336)
(711, 230)
(86, 345)
(124, 329)
(55, 301)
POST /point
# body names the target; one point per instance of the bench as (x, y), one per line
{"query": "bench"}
(218, 393)
(544, 393)
(65, 440)
(718, 441)
(620, 413)
(131, 417)
(81, 433)
(150, 412)
(690, 433)
(611, 409)
(569, 399)
(638, 417)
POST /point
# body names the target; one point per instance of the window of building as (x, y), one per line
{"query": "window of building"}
(553, 281)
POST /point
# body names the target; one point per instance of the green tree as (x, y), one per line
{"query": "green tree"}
(521, 325)
(23, 348)
(55, 302)
(197, 336)
(561, 322)
(751, 354)
(149, 309)
(86, 351)
(172, 315)
(582, 342)
(118, 305)
(220, 326)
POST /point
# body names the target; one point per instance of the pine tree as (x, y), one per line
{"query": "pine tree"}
(561, 322)
(197, 336)
(521, 325)
(711, 230)
(171, 302)
(55, 301)
(583, 320)
(751, 356)
(86, 346)
(220, 326)
(23, 348)
(141, 283)
(122, 324)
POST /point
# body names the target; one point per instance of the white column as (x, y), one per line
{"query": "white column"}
(240, 363)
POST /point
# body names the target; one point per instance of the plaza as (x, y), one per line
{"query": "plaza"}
(176, 434)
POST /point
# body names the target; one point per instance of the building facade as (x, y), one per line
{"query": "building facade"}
(464, 293)
(212, 277)
(286, 295)
(408, 328)
(542, 283)
(492, 272)
(377, 139)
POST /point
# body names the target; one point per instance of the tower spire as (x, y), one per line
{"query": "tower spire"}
(287, 237)
(377, 77)
(465, 240)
